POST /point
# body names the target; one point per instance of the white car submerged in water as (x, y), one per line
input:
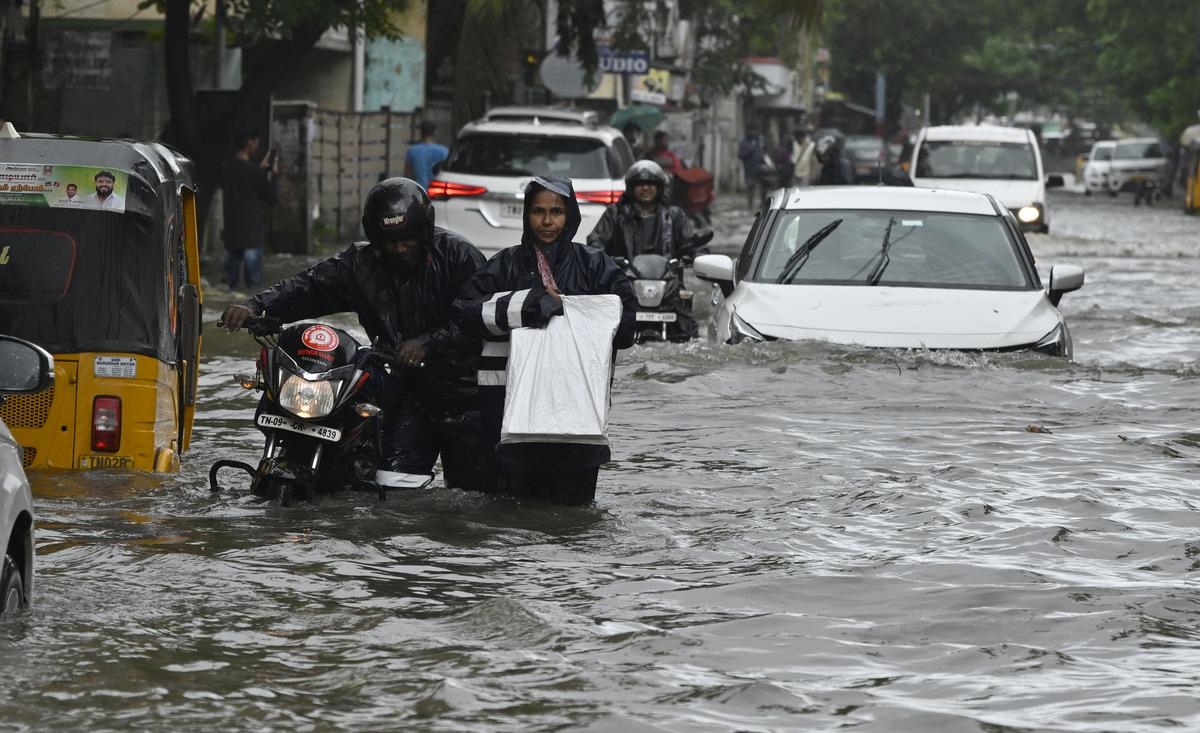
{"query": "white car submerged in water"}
(888, 267)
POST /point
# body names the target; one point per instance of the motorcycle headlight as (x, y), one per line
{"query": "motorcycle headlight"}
(1055, 343)
(1029, 214)
(740, 331)
(307, 399)
(649, 292)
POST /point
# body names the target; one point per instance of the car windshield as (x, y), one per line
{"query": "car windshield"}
(927, 249)
(1138, 151)
(1104, 153)
(971, 159)
(529, 155)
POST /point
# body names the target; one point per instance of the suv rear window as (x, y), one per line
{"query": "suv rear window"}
(530, 155)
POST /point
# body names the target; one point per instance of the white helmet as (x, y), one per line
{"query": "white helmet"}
(646, 171)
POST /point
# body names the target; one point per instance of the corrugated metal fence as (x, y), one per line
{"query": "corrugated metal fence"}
(329, 160)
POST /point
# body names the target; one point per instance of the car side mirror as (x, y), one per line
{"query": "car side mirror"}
(1064, 279)
(715, 269)
(24, 367)
(1055, 181)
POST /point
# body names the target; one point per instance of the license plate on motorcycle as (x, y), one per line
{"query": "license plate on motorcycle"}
(280, 422)
(656, 317)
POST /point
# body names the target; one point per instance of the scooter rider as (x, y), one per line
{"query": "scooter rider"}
(643, 221)
(401, 284)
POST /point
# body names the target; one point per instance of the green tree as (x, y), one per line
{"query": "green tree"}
(1150, 53)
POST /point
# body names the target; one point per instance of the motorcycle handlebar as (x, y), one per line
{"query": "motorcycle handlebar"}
(263, 325)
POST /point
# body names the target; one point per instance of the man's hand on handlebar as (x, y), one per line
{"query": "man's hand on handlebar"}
(235, 317)
(410, 354)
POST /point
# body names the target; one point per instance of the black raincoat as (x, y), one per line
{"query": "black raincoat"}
(616, 232)
(427, 410)
(508, 293)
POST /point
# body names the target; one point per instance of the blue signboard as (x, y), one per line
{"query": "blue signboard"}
(614, 61)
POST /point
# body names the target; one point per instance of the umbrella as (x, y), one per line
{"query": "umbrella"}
(645, 116)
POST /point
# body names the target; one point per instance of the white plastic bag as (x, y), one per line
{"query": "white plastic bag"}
(558, 376)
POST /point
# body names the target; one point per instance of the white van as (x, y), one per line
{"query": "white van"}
(1002, 161)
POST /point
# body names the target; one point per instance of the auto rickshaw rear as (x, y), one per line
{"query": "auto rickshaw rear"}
(99, 265)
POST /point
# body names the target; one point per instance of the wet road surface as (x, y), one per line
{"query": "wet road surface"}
(794, 537)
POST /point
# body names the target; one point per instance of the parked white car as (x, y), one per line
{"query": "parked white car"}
(479, 191)
(24, 369)
(1098, 166)
(888, 267)
(1136, 160)
(1004, 162)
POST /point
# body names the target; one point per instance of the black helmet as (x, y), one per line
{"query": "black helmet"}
(646, 171)
(398, 208)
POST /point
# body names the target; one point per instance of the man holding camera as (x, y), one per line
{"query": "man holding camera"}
(249, 188)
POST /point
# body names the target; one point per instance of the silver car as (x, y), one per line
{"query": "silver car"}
(24, 369)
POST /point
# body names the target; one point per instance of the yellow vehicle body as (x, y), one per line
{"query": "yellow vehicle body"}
(148, 321)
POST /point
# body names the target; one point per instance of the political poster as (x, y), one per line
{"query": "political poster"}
(63, 186)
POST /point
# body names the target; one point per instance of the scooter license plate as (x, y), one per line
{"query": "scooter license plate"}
(657, 317)
(280, 422)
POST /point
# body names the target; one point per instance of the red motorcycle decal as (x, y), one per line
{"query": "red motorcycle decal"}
(320, 338)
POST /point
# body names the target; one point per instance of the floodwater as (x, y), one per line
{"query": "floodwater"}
(795, 537)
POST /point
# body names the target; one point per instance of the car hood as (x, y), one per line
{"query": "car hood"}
(1010, 194)
(895, 317)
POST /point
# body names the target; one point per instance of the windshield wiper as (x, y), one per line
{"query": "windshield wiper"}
(884, 259)
(800, 256)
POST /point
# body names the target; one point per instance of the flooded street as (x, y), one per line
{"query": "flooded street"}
(793, 537)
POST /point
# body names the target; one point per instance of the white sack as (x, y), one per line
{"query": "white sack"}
(558, 376)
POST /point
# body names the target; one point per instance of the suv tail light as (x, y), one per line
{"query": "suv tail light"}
(448, 189)
(600, 197)
(106, 424)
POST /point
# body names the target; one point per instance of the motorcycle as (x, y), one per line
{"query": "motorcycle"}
(662, 299)
(319, 428)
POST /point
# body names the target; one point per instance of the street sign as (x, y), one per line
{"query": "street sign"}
(613, 61)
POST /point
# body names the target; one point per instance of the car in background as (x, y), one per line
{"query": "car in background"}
(26, 369)
(1135, 161)
(1004, 162)
(869, 155)
(479, 190)
(1097, 167)
(888, 267)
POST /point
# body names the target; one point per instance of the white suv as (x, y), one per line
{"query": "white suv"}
(1098, 166)
(479, 190)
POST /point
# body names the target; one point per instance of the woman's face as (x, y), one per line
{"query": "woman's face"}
(547, 216)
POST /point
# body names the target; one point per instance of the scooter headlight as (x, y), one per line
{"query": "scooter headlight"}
(308, 399)
(740, 331)
(649, 292)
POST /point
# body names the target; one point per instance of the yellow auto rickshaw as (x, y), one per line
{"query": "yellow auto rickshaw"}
(1189, 145)
(99, 265)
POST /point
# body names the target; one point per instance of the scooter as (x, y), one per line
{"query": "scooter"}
(662, 299)
(319, 428)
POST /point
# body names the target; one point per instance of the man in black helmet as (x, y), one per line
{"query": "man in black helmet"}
(401, 284)
(835, 169)
(644, 222)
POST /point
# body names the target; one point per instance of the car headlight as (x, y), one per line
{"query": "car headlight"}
(1055, 343)
(307, 399)
(1029, 214)
(740, 331)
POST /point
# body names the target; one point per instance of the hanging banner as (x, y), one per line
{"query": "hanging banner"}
(63, 186)
(651, 87)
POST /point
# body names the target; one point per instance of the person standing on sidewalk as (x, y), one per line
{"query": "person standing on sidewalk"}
(423, 156)
(802, 157)
(249, 188)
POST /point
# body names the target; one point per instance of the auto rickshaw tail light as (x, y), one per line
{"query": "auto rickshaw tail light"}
(106, 424)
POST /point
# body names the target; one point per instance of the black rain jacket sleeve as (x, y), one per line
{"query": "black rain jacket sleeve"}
(616, 231)
(326, 287)
(606, 230)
